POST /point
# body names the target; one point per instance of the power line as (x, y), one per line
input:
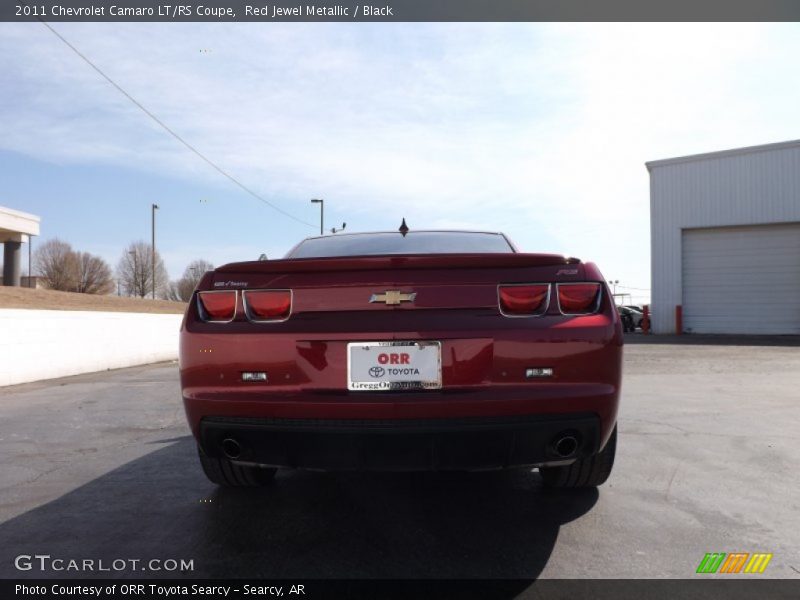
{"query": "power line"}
(166, 128)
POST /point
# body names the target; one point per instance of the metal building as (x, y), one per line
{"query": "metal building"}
(725, 241)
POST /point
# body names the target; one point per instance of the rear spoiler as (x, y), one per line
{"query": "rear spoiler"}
(413, 261)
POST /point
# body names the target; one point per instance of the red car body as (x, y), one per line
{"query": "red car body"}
(490, 412)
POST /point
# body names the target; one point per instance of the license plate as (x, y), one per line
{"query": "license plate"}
(378, 366)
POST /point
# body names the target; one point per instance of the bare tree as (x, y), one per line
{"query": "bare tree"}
(135, 271)
(56, 264)
(93, 274)
(182, 289)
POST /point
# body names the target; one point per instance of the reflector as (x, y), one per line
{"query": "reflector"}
(217, 306)
(254, 376)
(268, 305)
(523, 300)
(578, 298)
(538, 372)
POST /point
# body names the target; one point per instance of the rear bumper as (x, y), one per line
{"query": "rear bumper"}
(401, 444)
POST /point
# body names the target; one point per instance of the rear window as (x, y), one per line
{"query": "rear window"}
(415, 242)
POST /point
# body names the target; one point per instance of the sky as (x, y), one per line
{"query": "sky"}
(537, 130)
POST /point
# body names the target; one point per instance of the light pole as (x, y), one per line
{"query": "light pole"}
(321, 203)
(614, 284)
(153, 249)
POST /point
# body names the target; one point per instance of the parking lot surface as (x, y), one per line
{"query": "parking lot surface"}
(102, 466)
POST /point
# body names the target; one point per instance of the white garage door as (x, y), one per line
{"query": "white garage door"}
(742, 279)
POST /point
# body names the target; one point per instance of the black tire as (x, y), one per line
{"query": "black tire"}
(227, 474)
(585, 472)
(627, 324)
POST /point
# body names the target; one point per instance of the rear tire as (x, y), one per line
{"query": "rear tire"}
(627, 324)
(584, 472)
(228, 474)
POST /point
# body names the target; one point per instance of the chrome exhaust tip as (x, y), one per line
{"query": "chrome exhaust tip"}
(566, 446)
(231, 448)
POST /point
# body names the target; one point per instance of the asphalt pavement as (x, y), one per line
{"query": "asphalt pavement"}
(102, 466)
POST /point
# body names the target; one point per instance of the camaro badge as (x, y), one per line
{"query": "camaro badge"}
(393, 297)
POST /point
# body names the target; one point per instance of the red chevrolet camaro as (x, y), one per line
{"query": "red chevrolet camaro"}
(442, 350)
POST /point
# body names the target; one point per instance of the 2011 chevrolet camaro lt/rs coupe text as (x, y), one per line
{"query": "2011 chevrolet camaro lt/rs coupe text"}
(441, 350)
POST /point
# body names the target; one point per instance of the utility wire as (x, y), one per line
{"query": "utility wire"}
(166, 128)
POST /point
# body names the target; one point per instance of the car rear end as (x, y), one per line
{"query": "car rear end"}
(406, 362)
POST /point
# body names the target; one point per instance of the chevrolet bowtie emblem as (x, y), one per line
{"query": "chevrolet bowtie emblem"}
(393, 297)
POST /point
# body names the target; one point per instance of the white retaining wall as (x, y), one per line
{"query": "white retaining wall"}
(42, 344)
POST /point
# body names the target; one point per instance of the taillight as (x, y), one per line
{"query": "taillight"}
(523, 300)
(268, 305)
(217, 306)
(578, 298)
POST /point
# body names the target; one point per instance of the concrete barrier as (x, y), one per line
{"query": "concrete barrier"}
(43, 344)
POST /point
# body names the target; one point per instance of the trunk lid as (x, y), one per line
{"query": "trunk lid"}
(435, 282)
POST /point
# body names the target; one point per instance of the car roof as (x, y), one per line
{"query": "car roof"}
(396, 232)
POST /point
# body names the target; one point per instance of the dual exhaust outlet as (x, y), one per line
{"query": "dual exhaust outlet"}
(564, 445)
(231, 448)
